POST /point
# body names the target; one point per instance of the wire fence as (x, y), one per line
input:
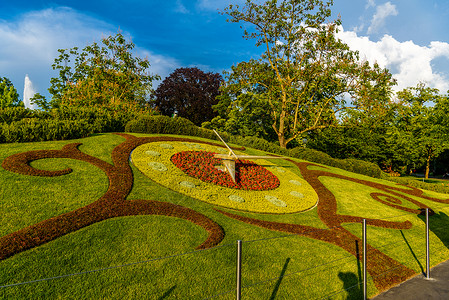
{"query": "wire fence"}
(268, 271)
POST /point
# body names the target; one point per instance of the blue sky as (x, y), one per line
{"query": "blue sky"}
(407, 36)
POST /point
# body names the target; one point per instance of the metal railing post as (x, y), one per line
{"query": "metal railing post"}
(365, 280)
(239, 270)
(427, 245)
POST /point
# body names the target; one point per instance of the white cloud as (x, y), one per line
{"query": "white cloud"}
(408, 62)
(370, 3)
(30, 44)
(382, 12)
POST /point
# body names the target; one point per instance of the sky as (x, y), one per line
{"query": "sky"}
(409, 37)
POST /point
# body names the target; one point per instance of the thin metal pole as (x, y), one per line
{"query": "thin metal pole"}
(239, 270)
(427, 245)
(365, 280)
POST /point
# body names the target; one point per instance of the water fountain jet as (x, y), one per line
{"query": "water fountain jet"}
(28, 93)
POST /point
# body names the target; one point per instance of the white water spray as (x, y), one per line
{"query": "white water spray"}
(28, 93)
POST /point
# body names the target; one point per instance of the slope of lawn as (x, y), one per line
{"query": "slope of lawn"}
(159, 256)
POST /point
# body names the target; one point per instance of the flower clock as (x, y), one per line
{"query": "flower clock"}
(191, 168)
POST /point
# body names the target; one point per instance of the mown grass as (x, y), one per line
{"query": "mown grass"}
(275, 265)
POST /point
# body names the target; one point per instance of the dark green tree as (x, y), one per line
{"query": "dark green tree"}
(420, 133)
(8, 94)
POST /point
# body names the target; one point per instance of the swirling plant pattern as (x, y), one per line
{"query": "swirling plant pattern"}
(112, 204)
(384, 270)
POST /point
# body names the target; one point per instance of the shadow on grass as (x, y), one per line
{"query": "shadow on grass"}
(438, 224)
(167, 293)
(278, 283)
(352, 283)
(413, 253)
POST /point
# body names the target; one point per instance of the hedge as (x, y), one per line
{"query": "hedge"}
(35, 130)
(436, 187)
(181, 126)
(19, 124)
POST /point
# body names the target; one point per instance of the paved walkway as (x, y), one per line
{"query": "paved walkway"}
(418, 287)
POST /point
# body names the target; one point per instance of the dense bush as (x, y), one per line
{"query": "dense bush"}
(34, 130)
(167, 125)
(181, 126)
(436, 187)
(102, 119)
(24, 125)
(14, 114)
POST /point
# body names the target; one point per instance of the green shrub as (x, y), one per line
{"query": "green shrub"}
(35, 130)
(167, 125)
(258, 143)
(436, 187)
(181, 126)
(14, 114)
(103, 119)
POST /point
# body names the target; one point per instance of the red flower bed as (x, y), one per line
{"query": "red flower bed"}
(248, 175)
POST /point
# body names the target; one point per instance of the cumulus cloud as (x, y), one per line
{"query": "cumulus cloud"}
(408, 62)
(382, 12)
(30, 43)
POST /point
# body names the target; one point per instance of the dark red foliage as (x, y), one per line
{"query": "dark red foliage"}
(190, 92)
(113, 203)
(201, 165)
(384, 270)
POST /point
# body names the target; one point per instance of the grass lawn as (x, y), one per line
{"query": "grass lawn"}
(157, 255)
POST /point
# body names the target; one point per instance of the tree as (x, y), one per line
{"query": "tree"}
(247, 115)
(419, 133)
(8, 94)
(305, 70)
(102, 75)
(190, 93)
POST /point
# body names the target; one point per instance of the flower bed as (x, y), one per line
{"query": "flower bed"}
(202, 165)
(190, 168)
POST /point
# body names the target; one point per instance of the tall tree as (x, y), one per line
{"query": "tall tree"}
(304, 71)
(104, 75)
(190, 93)
(8, 94)
(420, 135)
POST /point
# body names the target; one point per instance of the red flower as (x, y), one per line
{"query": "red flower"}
(201, 165)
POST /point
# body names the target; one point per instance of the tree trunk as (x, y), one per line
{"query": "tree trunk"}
(427, 167)
(282, 141)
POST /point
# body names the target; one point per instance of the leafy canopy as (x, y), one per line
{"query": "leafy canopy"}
(304, 71)
(420, 131)
(106, 74)
(190, 93)
(8, 94)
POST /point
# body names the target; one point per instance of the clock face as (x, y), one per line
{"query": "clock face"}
(191, 169)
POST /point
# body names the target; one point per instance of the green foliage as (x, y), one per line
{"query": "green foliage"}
(247, 115)
(419, 134)
(304, 71)
(13, 114)
(181, 126)
(417, 183)
(24, 125)
(167, 125)
(34, 130)
(102, 75)
(8, 94)
(359, 142)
